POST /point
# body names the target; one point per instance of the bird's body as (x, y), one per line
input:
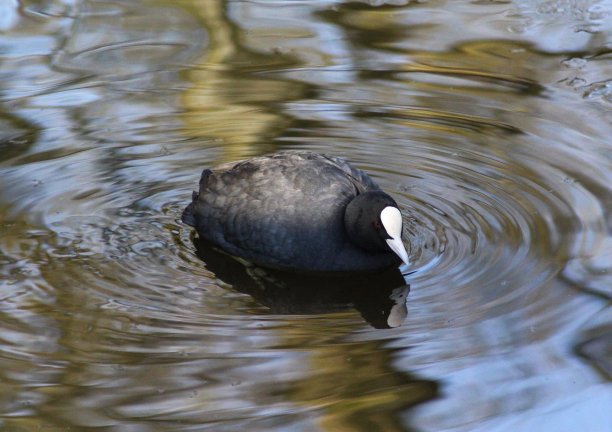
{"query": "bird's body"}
(288, 210)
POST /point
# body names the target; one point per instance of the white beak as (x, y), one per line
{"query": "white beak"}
(397, 246)
(391, 219)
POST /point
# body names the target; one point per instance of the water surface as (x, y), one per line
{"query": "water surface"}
(489, 122)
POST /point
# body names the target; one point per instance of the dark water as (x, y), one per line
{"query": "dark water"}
(491, 124)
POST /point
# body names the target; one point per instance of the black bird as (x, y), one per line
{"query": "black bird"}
(300, 210)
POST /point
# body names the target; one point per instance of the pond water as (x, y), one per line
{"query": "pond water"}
(489, 122)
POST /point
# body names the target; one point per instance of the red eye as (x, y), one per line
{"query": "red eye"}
(377, 224)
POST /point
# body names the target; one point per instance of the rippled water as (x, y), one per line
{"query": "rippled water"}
(489, 122)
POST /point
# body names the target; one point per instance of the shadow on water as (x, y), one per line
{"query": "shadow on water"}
(380, 296)
(17, 135)
(594, 343)
(597, 349)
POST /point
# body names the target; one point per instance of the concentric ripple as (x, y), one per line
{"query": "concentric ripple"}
(487, 228)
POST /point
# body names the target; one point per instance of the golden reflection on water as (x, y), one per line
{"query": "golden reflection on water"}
(338, 369)
(228, 101)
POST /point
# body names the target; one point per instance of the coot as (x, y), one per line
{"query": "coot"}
(298, 209)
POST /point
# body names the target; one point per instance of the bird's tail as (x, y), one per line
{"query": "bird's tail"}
(188, 217)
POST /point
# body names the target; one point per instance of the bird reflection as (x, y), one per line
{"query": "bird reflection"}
(379, 296)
